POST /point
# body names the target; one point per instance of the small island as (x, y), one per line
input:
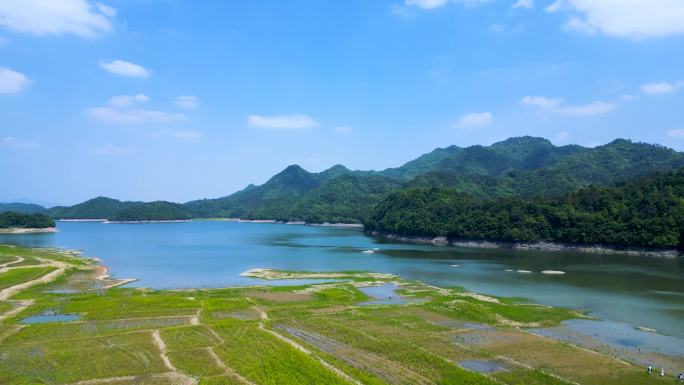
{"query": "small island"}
(16, 223)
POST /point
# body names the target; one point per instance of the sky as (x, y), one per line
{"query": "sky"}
(179, 99)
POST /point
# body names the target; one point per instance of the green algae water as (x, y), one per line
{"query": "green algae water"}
(640, 291)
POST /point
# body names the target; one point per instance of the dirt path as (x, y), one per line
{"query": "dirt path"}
(162, 350)
(19, 259)
(263, 316)
(21, 305)
(61, 268)
(174, 377)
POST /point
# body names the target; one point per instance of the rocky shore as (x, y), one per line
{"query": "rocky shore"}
(539, 246)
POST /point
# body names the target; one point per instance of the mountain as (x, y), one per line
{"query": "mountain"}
(516, 167)
(22, 208)
(96, 208)
(644, 212)
(113, 209)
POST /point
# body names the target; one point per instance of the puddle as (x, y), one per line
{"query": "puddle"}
(616, 335)
(383, 295)
(62, 291)
(482, 366)
(50, 316)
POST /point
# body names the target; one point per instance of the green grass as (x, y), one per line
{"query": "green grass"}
(17, 276)
(417, 343)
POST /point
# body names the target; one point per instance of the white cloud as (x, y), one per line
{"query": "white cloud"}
(12, 81)
(106, 10)
(127, 100)
(629, 97)
(426, 4)
(554, 7)
(294, 121)
(556, 105)
(124, 68)
(541, 101)
(186, 102)
(12, 142)
(343, 129)
(677, 133)
(595, 108)
(56, 17)
(132, 116)
(475, 119)
(114, 150)
(661, 88)
(529, 4)
(638, 19)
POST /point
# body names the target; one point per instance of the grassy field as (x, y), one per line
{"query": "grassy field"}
(311, 334)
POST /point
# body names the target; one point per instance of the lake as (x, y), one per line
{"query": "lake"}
(641, 291)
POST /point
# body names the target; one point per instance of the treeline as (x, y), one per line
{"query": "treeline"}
(644, 212)
(152, 211)
(10, 219)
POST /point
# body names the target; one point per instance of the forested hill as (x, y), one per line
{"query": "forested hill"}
(22, 208)
(116, 210)
(516, 167)
(9, 220)
(524, 166)
(644, 212)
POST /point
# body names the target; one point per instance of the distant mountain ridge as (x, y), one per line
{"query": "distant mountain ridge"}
(520, 166)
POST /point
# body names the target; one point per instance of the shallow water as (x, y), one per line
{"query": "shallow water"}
(383, 295)
(641, 291)
(482, 366)
(616, 335)
(50, 316)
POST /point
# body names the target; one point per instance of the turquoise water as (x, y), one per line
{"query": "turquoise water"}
(641, 291)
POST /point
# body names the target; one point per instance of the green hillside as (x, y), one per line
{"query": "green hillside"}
(644, 212)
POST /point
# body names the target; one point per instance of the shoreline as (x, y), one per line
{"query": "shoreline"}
(21, 230)
(525, 246)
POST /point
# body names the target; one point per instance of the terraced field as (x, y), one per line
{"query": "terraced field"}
(85, 329)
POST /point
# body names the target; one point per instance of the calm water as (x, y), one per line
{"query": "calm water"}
(641, 291)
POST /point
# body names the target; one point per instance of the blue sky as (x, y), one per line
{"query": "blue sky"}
(178, 100)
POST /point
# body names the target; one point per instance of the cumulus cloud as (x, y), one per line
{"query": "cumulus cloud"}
(124, 68)
(475, 119)
(186, 102)
(56, 17)
(12, 81)
(529, 4)
(113, 149)
(638, 19)
(554, 7)
(676, 133)
(294, 121)
(425, 4)
(557, 106)
(661, 88)
(132, 116)
(127, 100)
(541, 101)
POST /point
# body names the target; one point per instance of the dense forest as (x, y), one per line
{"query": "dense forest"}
(151, 211)
(643, 212)
(10, 220)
